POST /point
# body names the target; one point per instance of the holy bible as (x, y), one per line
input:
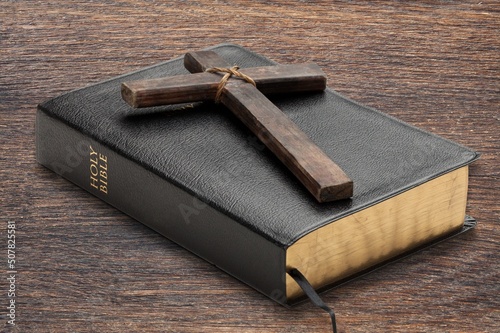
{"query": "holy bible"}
(194, 173)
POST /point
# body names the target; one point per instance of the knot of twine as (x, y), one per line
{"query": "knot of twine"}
(229, 72)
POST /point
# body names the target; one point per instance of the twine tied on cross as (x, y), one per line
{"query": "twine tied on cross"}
(229, 72)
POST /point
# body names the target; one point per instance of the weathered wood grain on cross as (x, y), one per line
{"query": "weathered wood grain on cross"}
(317, 172)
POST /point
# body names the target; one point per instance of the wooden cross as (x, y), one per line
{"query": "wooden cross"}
(318, 173)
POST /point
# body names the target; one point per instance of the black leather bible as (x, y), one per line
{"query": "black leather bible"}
(195, 174)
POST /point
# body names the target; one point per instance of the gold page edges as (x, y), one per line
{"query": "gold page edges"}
(380, 232)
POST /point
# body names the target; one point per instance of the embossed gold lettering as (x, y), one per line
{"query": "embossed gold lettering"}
(98, 171)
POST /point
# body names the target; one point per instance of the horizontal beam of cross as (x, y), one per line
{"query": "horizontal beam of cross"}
(203, 86)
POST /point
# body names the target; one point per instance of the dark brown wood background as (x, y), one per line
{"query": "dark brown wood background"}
(85, 267)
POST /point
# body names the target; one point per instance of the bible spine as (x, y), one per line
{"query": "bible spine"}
(161, 205)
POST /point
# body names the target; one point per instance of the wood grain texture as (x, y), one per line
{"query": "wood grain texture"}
(85, 267)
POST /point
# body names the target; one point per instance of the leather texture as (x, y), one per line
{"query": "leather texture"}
(203, 149)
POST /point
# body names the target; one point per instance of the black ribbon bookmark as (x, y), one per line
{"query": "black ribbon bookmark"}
(313, 295)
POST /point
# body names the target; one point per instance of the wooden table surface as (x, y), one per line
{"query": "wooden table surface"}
(83, 266)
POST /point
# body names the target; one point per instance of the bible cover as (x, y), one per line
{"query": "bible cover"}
(196, 175)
